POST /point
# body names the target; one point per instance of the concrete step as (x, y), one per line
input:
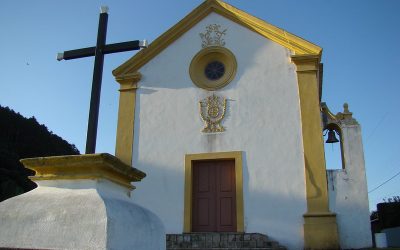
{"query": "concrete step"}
(223, 241)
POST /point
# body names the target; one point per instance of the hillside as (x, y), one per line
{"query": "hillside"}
(20, 138)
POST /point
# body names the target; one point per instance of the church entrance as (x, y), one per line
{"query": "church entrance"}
(214, 196)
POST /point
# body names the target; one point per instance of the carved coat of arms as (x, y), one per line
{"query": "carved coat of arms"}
(212, 111)
(213, 36)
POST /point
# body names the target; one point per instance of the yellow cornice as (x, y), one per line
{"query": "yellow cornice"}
(298, 45)
(306, 62)
(128, 81)
(92, 166)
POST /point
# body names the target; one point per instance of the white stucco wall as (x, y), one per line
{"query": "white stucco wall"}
(263, 121)
(84, 214)
(348, 195)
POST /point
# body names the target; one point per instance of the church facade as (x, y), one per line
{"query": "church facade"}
(223, 114)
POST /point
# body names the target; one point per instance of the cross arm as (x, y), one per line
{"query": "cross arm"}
(125, 46)
(108, 49)
(76, 53)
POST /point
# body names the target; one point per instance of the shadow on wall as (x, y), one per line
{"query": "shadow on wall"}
(276, 214)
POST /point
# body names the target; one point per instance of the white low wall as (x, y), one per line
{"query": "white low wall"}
(392, 236)
(77, 214)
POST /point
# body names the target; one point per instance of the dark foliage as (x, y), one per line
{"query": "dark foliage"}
(387, 202)
(389, 213)
(386, 216)
(20, 138)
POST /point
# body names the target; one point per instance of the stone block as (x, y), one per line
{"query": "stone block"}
(267, 244)
(216, 238)
(254, 237)
(223, 244)
(194, 237)
(221, 241)
(239, 244)
(224, 237)
(260, 243)
(263, 237)
(232, 244)
(179, 239)
(239, 237)
(202, 244)
(186, 238)
(215, 243)
(186, 244)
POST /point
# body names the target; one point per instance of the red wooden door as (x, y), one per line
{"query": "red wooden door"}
(214, 196)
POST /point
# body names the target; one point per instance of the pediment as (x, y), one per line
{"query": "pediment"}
(292, 42)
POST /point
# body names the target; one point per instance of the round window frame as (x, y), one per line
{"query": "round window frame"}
(206, 56)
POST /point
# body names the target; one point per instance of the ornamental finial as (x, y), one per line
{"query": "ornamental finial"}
(346, 108)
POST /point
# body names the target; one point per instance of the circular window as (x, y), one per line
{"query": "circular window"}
(213, 68)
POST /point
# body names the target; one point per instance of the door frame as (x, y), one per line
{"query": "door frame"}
(233, 155)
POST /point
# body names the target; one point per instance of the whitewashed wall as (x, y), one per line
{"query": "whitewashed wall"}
(348, 196)
(78, 214)
(263, 121)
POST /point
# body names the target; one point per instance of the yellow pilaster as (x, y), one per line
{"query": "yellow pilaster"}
(126, 116)
(320, 228)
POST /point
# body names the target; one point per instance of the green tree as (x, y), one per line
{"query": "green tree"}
(20, 138)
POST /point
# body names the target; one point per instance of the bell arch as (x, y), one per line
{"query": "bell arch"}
(335, 129)
(338, 123)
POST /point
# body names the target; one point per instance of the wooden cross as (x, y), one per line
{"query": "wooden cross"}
(98, 52)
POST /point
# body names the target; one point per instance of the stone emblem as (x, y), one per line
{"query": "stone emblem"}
(212, 111)
(213, 36)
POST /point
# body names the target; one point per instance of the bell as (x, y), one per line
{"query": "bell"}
(331, 137)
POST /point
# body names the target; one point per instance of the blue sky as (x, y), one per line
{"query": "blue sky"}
(360, 40)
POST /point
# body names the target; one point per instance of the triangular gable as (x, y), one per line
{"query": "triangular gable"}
(298, 45)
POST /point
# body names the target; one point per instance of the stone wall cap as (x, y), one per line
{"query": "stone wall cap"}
(89, 166)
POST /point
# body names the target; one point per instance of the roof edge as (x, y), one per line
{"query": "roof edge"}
(298, 45)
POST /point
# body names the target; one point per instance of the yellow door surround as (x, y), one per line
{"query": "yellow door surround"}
(189, 159)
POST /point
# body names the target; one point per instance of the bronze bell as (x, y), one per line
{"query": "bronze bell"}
(331, 137)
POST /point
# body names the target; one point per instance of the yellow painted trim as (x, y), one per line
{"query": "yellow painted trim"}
(296, 44)
(206, 56)
(92, 166)
(320, 227)
(126, 116)
(320, 231)
(234, 155)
